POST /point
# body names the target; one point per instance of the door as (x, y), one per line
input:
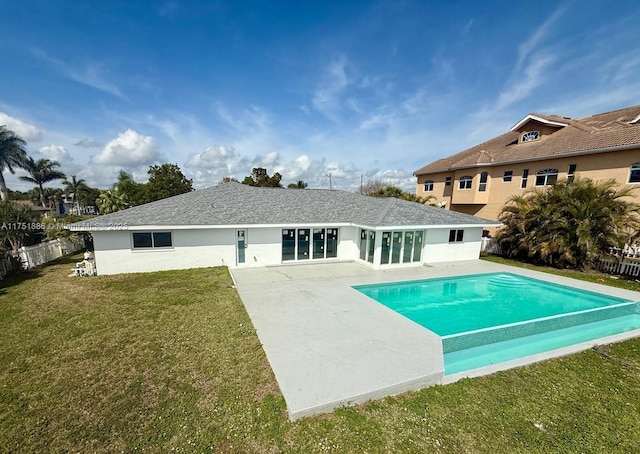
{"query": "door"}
(303, 244)
(318, 243)
(241, 244)
(288, 244)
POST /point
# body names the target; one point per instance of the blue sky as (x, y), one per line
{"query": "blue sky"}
(350, 88)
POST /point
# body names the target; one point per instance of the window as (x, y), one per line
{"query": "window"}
(447, 181)
(508, 175)
(634, 176)
(465, 182)
(456, 236)
(482, 187)
(546, 177)
(571, 172)
(428, 186)
(401, 247)
(143, 240)
(525, 177)
(531, 135)
(304, 244)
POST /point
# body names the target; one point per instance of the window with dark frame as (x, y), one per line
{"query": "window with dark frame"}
(152, 240)
(482, 186)
(525, 177)
(634, 174)
(447, 181)
(456, 236)
(466, 182)
(428, 186)
(546, 177)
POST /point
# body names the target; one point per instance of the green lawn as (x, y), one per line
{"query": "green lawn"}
(169, 361)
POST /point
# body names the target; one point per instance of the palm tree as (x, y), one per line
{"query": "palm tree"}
(111, 201)
(569, 223)
(75, 186)
(40, 172)
(300, 184)
(12, 154)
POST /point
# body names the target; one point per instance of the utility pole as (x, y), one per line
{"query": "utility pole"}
(330, 182)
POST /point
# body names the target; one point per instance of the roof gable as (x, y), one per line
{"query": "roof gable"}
(545, 120)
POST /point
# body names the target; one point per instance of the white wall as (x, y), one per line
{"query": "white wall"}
(199, 248)
(438, 249)
(191, 249)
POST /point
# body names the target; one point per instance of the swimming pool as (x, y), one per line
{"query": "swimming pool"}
(490, 318)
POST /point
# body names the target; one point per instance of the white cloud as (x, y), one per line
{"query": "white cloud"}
(92, 74)
(56, 153)
(525, 82)
(27, 131)
(88, 143)
(129, 149)
(326, 98)
(214, 158)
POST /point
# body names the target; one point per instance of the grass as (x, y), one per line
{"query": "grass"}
(169, 361)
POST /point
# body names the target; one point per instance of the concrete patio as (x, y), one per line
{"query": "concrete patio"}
(331, 346)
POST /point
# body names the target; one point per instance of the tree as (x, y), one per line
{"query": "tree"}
(12, 155)
(298, 185)
(394, 191)
(133, 193)
(569, 223)
(260, 177)
(17, 223)
(41, 172)
(229, 180)
(165, 181)
(76, 187)
(111, 201)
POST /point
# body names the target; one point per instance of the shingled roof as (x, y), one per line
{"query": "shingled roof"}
(235, 204)
(606, 131)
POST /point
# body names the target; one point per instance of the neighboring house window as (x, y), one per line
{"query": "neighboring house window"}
(531, 135)
(456, 236)
(465, 182)
(508, 175)
(525, 177)
(151, 240)
(634, 176)
(428, 186)
(482, 187)
(546, 177)
(447, 181)
(571, 172)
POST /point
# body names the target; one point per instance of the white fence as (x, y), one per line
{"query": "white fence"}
(490, 245)
(619, 265)
(32, 256)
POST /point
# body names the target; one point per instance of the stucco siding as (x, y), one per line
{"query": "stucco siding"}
(191, 249)
(438, 249)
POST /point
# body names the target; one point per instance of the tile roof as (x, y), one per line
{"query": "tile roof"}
(229, 204)
(597, 132)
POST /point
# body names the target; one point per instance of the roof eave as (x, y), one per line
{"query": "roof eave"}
(539, 158)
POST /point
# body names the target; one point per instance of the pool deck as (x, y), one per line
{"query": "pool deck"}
(331, 346)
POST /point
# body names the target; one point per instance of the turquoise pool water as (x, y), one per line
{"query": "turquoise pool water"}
(489, 318)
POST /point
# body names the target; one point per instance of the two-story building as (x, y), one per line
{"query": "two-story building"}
(538, 150)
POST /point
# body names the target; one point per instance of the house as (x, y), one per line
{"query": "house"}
(243, 226)
(538, 150)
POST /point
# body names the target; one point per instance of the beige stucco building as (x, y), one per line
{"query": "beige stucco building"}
(538, 150)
